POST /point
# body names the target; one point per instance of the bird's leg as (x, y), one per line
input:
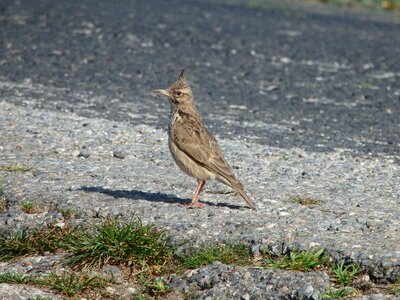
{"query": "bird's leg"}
(195, 201)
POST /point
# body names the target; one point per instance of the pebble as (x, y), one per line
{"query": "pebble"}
(119, 154)
(84, 153)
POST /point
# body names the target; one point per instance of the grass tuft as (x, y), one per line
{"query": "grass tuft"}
(337, 294)
(156, 288)
(32, 242)
(72, 283)
(238, 254)
(298, 260)
(38, 297)
(68, 283)
(15, 168)
(3, 198)
(68, 213)
(140, 297)
(117, 242)
(396, 287)
(16, 278)
(29, 207)
(306, 201)
(3, 204)
(113, 241)
(374, 4)
(344, 275)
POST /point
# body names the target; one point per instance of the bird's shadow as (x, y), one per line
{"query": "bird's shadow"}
(148, 196)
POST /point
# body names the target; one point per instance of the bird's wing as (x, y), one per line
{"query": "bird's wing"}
(199, 144)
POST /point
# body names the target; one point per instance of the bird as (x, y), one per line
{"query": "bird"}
(194, 149)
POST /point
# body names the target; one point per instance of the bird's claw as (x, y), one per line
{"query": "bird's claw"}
(195, 204)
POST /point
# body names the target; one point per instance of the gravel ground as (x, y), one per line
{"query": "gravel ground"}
(305, 102)
(74, 166)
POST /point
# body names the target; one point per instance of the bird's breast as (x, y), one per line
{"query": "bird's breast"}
(185, 162)
(174, 118)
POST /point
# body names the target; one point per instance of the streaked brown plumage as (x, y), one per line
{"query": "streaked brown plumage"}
(193, 147)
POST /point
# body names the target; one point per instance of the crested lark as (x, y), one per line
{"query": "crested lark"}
(193, 147)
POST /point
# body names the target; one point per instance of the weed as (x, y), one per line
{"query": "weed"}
(12, 278)
(28, 242)
(259, 4)
(337, 294)
(156, 287)
(68, 213)
(139, 297)
(116, 242)
(396, 287)
(365, 85)
(73, 283)
(301, 261)
(3, 199)
(345, 274)
(15, 168)
(228, 254)
(3, 204)
(305, 201)
(29, 207)
(387, 4)
(41, 298)
(113, 242)
(68, 283)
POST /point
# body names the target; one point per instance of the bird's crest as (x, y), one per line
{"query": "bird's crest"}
(181, 83)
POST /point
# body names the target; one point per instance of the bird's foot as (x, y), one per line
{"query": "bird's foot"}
(195, 204)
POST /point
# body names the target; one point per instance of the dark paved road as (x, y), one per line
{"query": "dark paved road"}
(281, 76)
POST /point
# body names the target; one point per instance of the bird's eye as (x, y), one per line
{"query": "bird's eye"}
(178, 93)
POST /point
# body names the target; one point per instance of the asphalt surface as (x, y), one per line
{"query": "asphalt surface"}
(281, 75)
(304, 101)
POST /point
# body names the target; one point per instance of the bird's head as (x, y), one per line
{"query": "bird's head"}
(179, 92)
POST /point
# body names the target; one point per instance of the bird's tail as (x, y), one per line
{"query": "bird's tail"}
(239, 188)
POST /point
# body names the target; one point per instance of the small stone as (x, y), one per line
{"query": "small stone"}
(246, 297)
(33, 130)
(306, 291)
(119, 154)
(130, 291)
(255, 250)
(379, 296)
(189, 273)
(271, 88)
(114, 272)
(56, 215)
(203, 272)
(362, 220)
(161, 26)
(84, 153)
(276, 249)
(60, 225)
(247, 275)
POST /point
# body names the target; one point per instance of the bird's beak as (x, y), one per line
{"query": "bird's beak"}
(162, 92)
